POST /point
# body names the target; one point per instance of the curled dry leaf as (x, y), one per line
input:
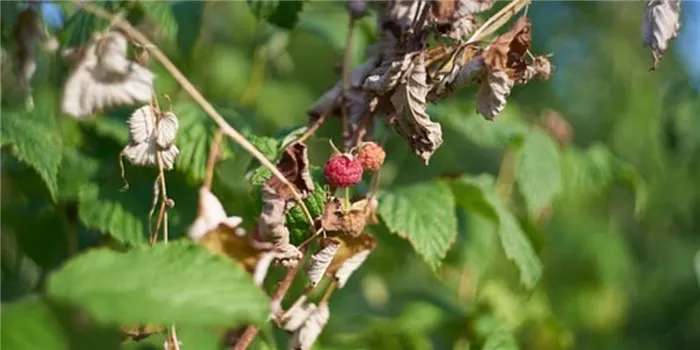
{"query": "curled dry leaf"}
(352, 253)
(220, 234)
(385, 77)
(313, 325)
(507, 51)
(411, 120)
(271, 233)
(661, 24)
(465, 68)
(137, 332)
(210, 215)
(296, 316)
(461, 21)
(322, 259)
(351, 221)
(146, 144)
(104, 77)
(492, 94)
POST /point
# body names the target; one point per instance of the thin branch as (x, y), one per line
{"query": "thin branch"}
(251, 331)
(346, 80)
(498, 20)
(211, 159)
(226, 129)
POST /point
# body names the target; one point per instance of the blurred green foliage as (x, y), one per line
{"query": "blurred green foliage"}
(611, 267)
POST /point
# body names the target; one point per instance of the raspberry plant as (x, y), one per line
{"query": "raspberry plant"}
(155, 195)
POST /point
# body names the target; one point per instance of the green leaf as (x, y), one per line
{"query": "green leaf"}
(178, 282)
(80, 27)
(498, 133)
(425, 215)
(514, 241)
(194, 140)
(35, 140)
(591, 172)
(500, 340)
(189, 16)
(30, 324)
(284, 14)
(538, 171)
(295, 220)
(161, 12)
(106, 210)
(268, 146)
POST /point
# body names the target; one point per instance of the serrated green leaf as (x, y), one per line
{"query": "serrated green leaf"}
(194, 140)
(161, 12)
(178, 282)
(30, 324)
(76, 170)
(35, 140)
(107, 210)
(591, 172)
(268, 146)
(80, 27)
(513, 239)
(284, 14)
(500, 341)
(538, 171)
(425, 215)
(295, 220)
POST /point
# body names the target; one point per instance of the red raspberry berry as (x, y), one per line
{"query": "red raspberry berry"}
(342, 171)
(371, 156)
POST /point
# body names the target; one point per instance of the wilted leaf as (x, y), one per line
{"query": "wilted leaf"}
(411, 120)
(350, 221)
(145, 144)
(493, 93)
(351, 254)
(104, 77)
(210, 215)
(661, 24)
(171, 282)
(296, 316)
(306, 335)
(425, 215)
(321, 260)
(507, 52)
(538, 171)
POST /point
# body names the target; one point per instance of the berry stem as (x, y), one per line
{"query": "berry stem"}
(346, 200)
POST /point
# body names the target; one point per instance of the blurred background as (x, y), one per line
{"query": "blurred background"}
(612, 279)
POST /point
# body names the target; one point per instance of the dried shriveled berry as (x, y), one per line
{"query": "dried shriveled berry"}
(343, 171)
(371, 156)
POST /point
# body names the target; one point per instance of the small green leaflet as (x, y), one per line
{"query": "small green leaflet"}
(538, 171)
(177, 20)
(425, 215)
(194, 138)
(283, 14)
(478, 194)
(177, 282)
(35, 140)
(590, 172)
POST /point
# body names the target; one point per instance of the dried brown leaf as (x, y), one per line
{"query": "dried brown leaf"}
(234, 244)
(351, 254)
(351, 221)
(313, 325)
(167, 130)
(492, 94)
(412, 121)
(540, 68)
(144, 145)
(444, 10)
(463, 22)
(210, 215)
(507, 52)
(322, 259)
(385, 77)
(138, 332)
(294, 165)
(661, 24)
